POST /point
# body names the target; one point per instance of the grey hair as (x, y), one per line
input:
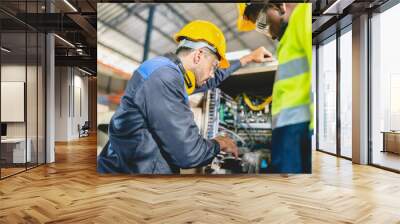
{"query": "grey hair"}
(183, 51)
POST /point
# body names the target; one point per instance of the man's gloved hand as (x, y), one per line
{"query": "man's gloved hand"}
(227, 145)
(259, 55)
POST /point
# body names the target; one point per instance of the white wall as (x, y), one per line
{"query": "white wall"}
(33, 126)
(71, 93)
(80, 96)
(61, 103)
(385, 75)
(12, 73)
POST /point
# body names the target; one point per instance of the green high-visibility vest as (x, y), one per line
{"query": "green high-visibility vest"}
(292, 100)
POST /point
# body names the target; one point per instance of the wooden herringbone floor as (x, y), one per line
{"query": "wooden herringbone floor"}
(70, 191)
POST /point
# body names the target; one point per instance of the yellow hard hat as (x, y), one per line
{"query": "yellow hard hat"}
(200, 30)
(242, 23)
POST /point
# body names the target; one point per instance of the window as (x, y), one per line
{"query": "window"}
(385, 89)
(327, 96)
(22, 76)
(314, 92)
(346, 92)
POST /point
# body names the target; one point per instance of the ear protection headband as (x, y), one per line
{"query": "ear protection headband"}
(188, 76)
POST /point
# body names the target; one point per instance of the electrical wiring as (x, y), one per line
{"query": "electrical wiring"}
(233, 134)
(259, 107)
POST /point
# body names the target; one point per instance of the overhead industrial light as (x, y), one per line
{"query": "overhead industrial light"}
(65, 41)
(5, 50)
(84, 71)
(70, 5)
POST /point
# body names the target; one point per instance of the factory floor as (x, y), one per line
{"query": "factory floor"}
(70, 191)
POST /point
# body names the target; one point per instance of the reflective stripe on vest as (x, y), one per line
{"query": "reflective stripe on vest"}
(292, 68)
(291, 116)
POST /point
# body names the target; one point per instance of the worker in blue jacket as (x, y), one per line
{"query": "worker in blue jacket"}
(153, 130)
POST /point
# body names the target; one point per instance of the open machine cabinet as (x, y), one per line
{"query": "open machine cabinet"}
(236, 110)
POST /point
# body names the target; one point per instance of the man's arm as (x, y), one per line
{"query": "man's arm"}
(171, 121)
(258, 56)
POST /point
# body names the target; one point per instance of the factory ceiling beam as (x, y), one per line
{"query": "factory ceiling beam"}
(185, 20)
(108, 11)
(127, 13)
(229, 29)
(177, 13)
(118, 52)
(124, 15)
(171, 16)
(149, 29)
(164, 34)
(126, 35)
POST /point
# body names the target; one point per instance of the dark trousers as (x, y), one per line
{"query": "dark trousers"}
(291, 149)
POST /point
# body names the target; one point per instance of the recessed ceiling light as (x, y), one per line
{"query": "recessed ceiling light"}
(70, 5)
(5, 50)
(86, 72)
(64, 40)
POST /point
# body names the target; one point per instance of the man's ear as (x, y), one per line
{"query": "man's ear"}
(282, 9)
(196, 56)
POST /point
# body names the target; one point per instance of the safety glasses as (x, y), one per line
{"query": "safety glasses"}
(214, 57)
(262, 24)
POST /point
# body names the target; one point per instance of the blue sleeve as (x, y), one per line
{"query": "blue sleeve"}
(219, 76)
(171, 121)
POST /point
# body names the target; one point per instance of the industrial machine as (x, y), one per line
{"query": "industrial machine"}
(241, 109)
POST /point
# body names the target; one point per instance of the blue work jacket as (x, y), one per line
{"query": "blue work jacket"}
(153, 130)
